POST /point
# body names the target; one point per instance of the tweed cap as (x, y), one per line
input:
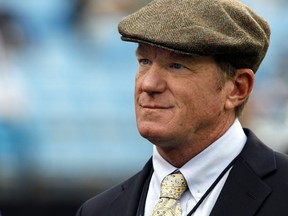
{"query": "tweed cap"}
(227, 29)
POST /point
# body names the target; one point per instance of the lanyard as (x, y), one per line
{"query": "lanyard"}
(141, 207)
(212, 186)
(146, 186)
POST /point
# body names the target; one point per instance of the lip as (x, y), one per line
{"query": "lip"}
(152, 106)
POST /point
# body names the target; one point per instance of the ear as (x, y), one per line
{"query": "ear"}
(242, 85)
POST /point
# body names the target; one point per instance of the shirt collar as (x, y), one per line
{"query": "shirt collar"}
(203, 169)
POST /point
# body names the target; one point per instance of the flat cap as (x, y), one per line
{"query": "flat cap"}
(224, 28)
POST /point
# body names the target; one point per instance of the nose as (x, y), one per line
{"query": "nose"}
(154, 80)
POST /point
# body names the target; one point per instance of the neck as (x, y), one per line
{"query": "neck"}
(181, 154)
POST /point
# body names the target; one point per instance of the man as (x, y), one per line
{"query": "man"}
(197, 61)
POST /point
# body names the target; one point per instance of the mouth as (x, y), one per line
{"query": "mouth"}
(153, 106)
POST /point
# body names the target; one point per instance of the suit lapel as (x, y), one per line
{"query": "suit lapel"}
(243, 193)
(245, 190)
(131, 192)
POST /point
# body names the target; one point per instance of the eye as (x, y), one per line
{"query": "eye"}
(144, 61)
(176, 66)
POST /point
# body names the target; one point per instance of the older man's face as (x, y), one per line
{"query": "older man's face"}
(177, 97)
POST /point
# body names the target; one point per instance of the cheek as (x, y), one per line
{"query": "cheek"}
(199, 102)
(137, 87)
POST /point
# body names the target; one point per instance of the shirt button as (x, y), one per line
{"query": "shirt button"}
(198, 195)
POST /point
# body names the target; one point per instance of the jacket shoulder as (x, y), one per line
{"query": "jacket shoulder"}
(102, 201)
(257, 184)
(115, 199)
(281, 173)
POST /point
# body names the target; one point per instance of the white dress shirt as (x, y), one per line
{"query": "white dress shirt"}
(200, 172)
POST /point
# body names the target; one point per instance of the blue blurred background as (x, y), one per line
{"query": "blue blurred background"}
(67, 124)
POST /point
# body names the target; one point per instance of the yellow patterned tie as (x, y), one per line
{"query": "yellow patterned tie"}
(172, 188)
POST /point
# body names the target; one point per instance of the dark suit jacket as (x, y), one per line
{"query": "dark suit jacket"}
(256, 185)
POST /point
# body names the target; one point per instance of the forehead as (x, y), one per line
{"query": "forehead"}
(144, 49)
(148, 51)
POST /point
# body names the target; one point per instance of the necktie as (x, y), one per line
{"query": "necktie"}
(172, 188)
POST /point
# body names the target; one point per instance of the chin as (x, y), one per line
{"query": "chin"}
(154, 135)
(147, 131)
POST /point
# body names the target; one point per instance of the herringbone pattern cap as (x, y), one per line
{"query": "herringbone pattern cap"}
(224, 28)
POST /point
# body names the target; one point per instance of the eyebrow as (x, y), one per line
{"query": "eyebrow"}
(142, 50)
(181, 56)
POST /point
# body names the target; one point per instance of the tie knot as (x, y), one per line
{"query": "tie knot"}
(173, 186)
